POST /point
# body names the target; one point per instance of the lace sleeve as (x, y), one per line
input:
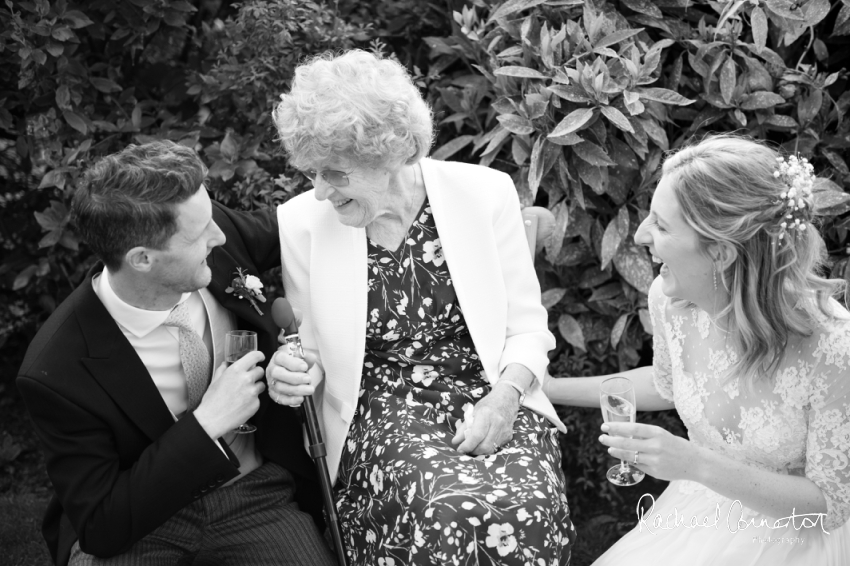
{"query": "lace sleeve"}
(661, 366)
(828, 445)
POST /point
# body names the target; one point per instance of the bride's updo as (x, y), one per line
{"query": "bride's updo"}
(734, 190)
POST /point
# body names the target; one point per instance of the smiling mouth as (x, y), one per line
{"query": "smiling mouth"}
(341, 203)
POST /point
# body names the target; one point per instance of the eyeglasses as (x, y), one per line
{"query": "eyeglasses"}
(330, 176)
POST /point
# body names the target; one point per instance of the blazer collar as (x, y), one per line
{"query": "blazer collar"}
(113, 362)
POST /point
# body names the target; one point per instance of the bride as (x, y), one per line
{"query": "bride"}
(754, 353)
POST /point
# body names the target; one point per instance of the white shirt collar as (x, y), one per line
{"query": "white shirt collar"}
(139, 322)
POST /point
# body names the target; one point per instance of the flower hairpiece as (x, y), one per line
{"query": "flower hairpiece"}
(798, 175)
(248, 287)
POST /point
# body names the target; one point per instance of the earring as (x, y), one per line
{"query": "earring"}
(714, 275)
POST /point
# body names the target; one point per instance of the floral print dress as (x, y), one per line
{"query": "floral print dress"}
(405, 495)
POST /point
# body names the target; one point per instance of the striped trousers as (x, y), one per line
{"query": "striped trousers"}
(252, 522)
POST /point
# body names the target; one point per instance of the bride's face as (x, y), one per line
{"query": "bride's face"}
(686, 270)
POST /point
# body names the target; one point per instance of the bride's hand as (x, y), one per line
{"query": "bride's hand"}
(492, 424)
(660, 454)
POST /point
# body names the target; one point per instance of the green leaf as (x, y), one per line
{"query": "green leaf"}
(75, 121)
(783, 8)
(552, 297)
(664, 96)
(105, 85)
(595, 177)
(842, 22)
(229, 147)
(827, 195)
(727, 80)
(76, 19)
(761, 99)
(512, 7)
(610, 243)
(571, 331)
(646, 321)
(808, 107)
(644, 7)
(535, 169)
(182, 6)
(568, 139)
(573, 122)
(593, 154)
(616, 117)
(519, 72)
(53, 178)
(174, 18)
(63, 97)
(24, 276)
(759, 25)
(617, 37)
(633, 263)
(55, 49)
(617, 330)
(655, 132)
(573, 93)
(447, 150)
(816, 10)
(515, 124)
(63, 33)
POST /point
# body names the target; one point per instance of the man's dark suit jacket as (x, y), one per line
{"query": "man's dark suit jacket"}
(119, 464)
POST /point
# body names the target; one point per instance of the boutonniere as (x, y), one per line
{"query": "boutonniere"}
(247, 287)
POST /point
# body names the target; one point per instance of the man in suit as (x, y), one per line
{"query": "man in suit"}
(126, 388)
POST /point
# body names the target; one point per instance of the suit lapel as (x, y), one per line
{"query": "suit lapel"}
(117, 368)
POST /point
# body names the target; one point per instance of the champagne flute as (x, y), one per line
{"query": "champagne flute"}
(617, 399)
(237, 343)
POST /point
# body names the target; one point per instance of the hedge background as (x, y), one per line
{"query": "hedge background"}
(578, 100)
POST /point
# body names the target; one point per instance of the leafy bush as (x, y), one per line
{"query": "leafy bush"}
(579, 100)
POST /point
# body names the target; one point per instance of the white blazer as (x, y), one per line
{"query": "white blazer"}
(477, 213)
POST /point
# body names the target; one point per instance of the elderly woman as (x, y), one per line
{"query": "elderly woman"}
(421, 307)
(754, 354)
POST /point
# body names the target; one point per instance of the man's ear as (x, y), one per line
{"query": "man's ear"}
(723, 254)
(139, 259)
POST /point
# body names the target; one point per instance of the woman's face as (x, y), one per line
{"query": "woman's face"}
(686, 271)
(366, 196)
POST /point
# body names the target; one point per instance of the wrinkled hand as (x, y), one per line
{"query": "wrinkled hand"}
(233, 395)
(291, 378)
(493, 423)
(661, 454)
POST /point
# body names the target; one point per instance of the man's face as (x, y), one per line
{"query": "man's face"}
(182, 266)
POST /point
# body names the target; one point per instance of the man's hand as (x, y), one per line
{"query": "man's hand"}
(493, 423)
(233, 395)
(291, 378)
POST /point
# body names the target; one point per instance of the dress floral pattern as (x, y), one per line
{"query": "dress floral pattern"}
(405, 495)
(798, 423)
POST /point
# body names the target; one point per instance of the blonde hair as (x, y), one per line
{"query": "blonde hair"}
(356, 106)
(727, 191)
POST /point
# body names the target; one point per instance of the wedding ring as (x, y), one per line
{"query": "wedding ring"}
(635, 462)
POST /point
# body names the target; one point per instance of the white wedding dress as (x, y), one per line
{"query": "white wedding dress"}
(798, 423)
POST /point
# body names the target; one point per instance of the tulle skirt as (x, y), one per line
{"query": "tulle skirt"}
(693, 526)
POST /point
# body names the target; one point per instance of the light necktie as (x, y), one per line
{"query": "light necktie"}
(194, 355)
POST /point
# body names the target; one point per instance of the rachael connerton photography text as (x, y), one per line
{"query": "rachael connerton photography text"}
(675, 520)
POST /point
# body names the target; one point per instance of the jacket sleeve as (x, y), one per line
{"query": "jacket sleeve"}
(527, 338)
(257, 231)
(111, 501)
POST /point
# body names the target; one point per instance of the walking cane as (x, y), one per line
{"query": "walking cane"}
(284, 318)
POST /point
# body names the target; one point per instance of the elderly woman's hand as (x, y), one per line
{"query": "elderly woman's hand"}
(492, 423)
(659, 453)
(290, 378)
